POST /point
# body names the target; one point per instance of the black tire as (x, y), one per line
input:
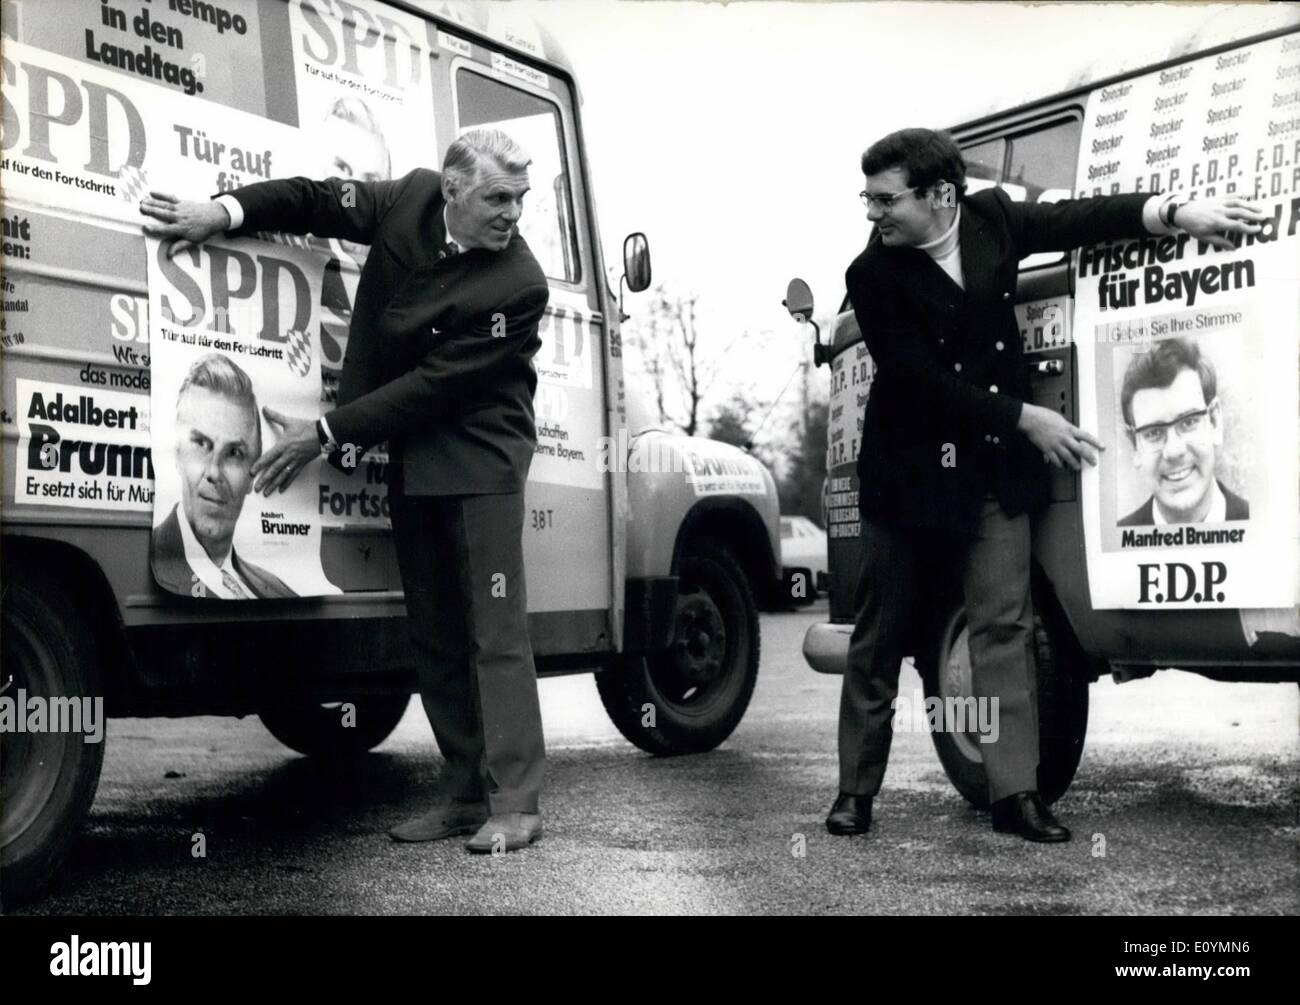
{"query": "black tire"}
(1064, 674)
(690, 698)
(317, 728)
(47, 780)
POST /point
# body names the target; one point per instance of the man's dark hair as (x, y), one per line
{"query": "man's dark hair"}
(1160, 367)
(927, 157)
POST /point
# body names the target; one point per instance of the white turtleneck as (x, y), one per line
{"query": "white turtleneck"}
(946, 250)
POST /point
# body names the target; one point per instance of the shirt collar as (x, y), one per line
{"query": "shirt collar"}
(947, 242)
(1217, 513)
(446, 229)
(208, 572)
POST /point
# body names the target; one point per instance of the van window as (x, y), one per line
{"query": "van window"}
(984, 163)
(1035, 166)
(1042, 163)
(547, 224)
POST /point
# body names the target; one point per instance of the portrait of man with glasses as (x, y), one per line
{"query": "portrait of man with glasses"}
(1174, 421)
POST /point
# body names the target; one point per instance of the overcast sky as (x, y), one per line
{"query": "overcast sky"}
(731, 133)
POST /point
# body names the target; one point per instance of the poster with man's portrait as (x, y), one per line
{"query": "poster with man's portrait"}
(1188, 354)
(1191, 503)
(233, 347)
(1181, 436)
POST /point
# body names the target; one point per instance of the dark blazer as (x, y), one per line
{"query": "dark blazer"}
(439, 356)
(950, 366)
(1144, 516)
(174, 574)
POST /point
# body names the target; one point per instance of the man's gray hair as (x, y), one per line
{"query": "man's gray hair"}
(223, 376)
(478, 145)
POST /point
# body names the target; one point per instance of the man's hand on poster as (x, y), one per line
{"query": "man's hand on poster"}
(296, 443)
(1061, 441)
(191, 222)
(1212, 220)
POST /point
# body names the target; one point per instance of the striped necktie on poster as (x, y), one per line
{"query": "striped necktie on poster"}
(232, 585)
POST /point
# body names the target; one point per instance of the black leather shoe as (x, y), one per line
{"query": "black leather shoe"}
(850, 815)
(1026, 814)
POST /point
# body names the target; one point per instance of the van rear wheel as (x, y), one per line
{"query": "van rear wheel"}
(1063, 680)
(328, 729)
(690, 698)
(47, 779)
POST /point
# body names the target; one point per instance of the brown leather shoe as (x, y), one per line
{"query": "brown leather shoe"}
(505, 832)
(445, 820)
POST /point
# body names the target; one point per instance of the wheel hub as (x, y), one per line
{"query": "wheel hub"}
(701, 640)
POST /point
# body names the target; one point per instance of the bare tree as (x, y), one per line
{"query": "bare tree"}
(672, 354)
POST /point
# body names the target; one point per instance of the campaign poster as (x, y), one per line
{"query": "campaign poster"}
(87, 139)
(362, 74)
(83, 447)
(211, 50)
(1188, 355)
(568, 406)
(233, 335)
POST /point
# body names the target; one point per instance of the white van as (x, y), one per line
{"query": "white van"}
(649, 573)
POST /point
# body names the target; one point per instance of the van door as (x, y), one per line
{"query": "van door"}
(567, 529)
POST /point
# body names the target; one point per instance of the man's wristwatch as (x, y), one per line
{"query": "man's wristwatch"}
(323, 436)
(1169, 208)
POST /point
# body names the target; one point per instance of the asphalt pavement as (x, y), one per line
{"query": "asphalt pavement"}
(1187, 802)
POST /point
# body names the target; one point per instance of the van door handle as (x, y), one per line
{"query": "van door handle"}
(1046, 367)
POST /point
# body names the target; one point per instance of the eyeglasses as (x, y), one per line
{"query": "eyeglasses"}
(884, 202)
(1153, 436)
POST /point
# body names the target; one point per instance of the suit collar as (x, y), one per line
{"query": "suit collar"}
(979, 252)
(468, 257)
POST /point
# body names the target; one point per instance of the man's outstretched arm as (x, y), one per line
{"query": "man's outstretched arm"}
(1071, 223)
(333, 207)
(439, 384)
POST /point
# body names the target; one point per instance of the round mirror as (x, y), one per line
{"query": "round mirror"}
(799, 300)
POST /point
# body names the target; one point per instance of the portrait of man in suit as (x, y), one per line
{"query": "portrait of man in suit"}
(218, 438)
(438, 365)
(954, 454)
(1173, 417)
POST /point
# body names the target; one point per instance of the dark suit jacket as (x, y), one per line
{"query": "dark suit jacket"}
(1144, 516)
(174, 574)
(439, 356)
(949, 362)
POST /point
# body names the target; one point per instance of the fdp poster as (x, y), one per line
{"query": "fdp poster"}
(1188, 354)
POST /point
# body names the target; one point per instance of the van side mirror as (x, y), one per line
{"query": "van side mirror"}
(799, 302)
(636, 262)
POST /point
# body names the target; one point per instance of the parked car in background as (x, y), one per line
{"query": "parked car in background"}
(803, 546)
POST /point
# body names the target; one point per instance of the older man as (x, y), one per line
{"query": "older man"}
(952, 456)
(438, 364)
(218, 439)
(1174, 420)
